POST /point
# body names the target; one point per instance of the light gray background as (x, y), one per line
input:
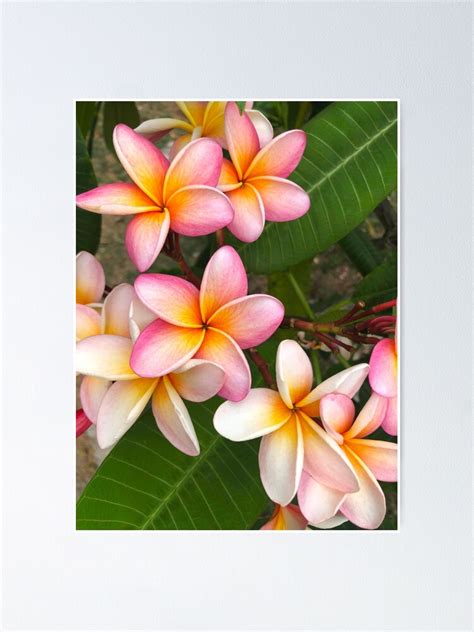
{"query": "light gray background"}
(418, 578)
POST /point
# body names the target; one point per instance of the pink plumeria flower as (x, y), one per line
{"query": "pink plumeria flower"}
(255, 181)
(383, 380)
(202, 118)
(370, 460)
(212, 324)
(107, 357)
(180, 195)
(291, 438)
(287, 518)
(90, 286)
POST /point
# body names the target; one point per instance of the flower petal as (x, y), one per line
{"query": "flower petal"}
(262, 126)
(197, 380)
(213, 122)
(92, 393)
(116, 310)
(90, 279)
(156, 128)
(379, 456)
(224, 280)
(280, 157)
(228, 179)
(199, 210)
(249, 320)
(121, 198)
(261, 412)
(281, 461)
(87, 322)
(335, 521)
(318, 502)
(365, 508)
(173, 299)
(337, 414)
(249, 213)
(120, 408)
(347, 382)
(287, 518)
(283, 200)
(178, 145)
(294, 372)
(105, 356)
(173, 419)
(193, 110)
(218, 347)
(199, 162)
(145, 236)
(323, 458)
(390, 421)
(383, 368)
(369, 418)
(144, 163)
(241, 137)
(140, 317)
(162, 348)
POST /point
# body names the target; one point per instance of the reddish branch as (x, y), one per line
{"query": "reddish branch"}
(262, 366)
(172, 248)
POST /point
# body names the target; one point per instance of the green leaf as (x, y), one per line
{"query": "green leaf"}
(116, 112)
(280, 286)
(349, 167)
(87, 224)
(146, 483)
(85, 114)
(361, 251)
(380, 285)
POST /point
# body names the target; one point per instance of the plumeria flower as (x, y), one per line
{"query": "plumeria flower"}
(202, 118)
(90, 286)
(287, 518)
(291, 438)
(383, 380)
(180, 195)
(370, 459)
(255, 181)
(212, 324)
(107, 357)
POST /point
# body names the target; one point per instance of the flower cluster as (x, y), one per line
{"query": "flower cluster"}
(166, 339)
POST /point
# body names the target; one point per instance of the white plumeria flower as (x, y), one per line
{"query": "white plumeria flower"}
(291, 438)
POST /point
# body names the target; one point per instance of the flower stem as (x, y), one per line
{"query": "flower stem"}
(300, 294)
(263, 367)
(316, 365)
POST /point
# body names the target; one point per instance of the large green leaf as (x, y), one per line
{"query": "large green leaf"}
(116, 112)
(86, 111)
(380, 285)
(87, 224)
(360, 249)
(146, 483)
(349, 167)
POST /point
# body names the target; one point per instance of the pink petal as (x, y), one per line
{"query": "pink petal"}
(249, 213)
(280, 157)
(369, 418)
(383, 368)
(283, 200)
(218, 347)
(121, 198)
(294, 372)
(262, 126)
(120, 408)
(83, 423)
(224, 280)
(144, 163)
(116, 310)
(173, 299)
(318, 502)
(323, 458)
(90, 279)
(365, 508)
(145, 236)
(199, 210)
(249, 320)
(197, 380)
(105, 356)
(281, 461)
(337, 414)
(379, 456)
(162, 348)
(199, 162)
(241, 137)
(346, 382)
(173, 418)
(261, 412)
(92, 393)
(87, 322)
(390, 421)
